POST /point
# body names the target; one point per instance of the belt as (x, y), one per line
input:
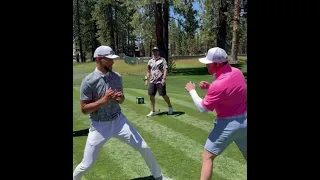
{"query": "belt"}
(108, 118)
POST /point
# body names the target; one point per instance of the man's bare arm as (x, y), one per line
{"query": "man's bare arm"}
(87, 106)
(165, 72)
(147, 78)
(148, 74)
(165, 69)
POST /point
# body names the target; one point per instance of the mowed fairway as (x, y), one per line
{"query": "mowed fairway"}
(176, 140)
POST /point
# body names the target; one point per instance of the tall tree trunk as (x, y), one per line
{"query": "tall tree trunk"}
(222, 25)
(150, 50)
(159, 29)
(94, 40)
(111, 23)
(235, 37)
(117, 32)
(79, 35)
(123, 41)
(77, 58)
(162, 20)
(128, 41)
(240, 48)
(133, 47)
(166, 29)
(176, 47)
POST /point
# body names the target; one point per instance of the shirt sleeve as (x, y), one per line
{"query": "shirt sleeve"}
(165, 65)
(212, 99)
(197, 101)
(85, 91)
(119, 85)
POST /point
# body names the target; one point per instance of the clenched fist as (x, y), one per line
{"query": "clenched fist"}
(204, 85)
(118, 95)
(190, 86)
(108, 95)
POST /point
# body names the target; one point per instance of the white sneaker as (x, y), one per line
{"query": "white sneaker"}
(152, 113)
(170, 111)
(163, 178)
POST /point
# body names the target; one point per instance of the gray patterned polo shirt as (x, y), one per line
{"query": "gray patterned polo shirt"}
(94, 86)
(157, 68)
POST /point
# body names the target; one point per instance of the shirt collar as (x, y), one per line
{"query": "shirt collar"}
(101, 73)
(223, 69)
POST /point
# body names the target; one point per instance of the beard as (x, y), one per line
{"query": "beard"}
(108, 69)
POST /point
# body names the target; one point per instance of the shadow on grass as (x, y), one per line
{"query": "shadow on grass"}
(175, 113)
(83, 132)
(144, 178)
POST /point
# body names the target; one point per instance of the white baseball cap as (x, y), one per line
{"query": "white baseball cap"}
(105, 51)
(215, 55)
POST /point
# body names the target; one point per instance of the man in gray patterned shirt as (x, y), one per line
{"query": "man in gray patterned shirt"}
(101, 93)
(157, 73)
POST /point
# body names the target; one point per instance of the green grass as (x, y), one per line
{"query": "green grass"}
(177, 141)
(122, 68)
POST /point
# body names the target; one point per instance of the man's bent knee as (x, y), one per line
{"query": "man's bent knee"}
(83, 167)
(140, 145)
(206, 155)
(143, 147)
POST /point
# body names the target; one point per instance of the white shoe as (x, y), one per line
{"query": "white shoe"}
(163, 178)
(152, 113)
(170, 111)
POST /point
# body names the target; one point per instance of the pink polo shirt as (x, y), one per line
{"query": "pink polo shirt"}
(228, 93)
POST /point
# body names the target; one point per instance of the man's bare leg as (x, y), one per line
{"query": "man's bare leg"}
(167, 99)
(207, 165)
(152, 103)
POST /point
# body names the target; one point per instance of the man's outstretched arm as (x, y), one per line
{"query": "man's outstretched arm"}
(197, 101)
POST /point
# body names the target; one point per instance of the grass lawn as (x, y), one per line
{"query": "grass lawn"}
(177, 141)
(123, 68)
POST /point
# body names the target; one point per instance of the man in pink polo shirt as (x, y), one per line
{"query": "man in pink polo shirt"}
(227, 95)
